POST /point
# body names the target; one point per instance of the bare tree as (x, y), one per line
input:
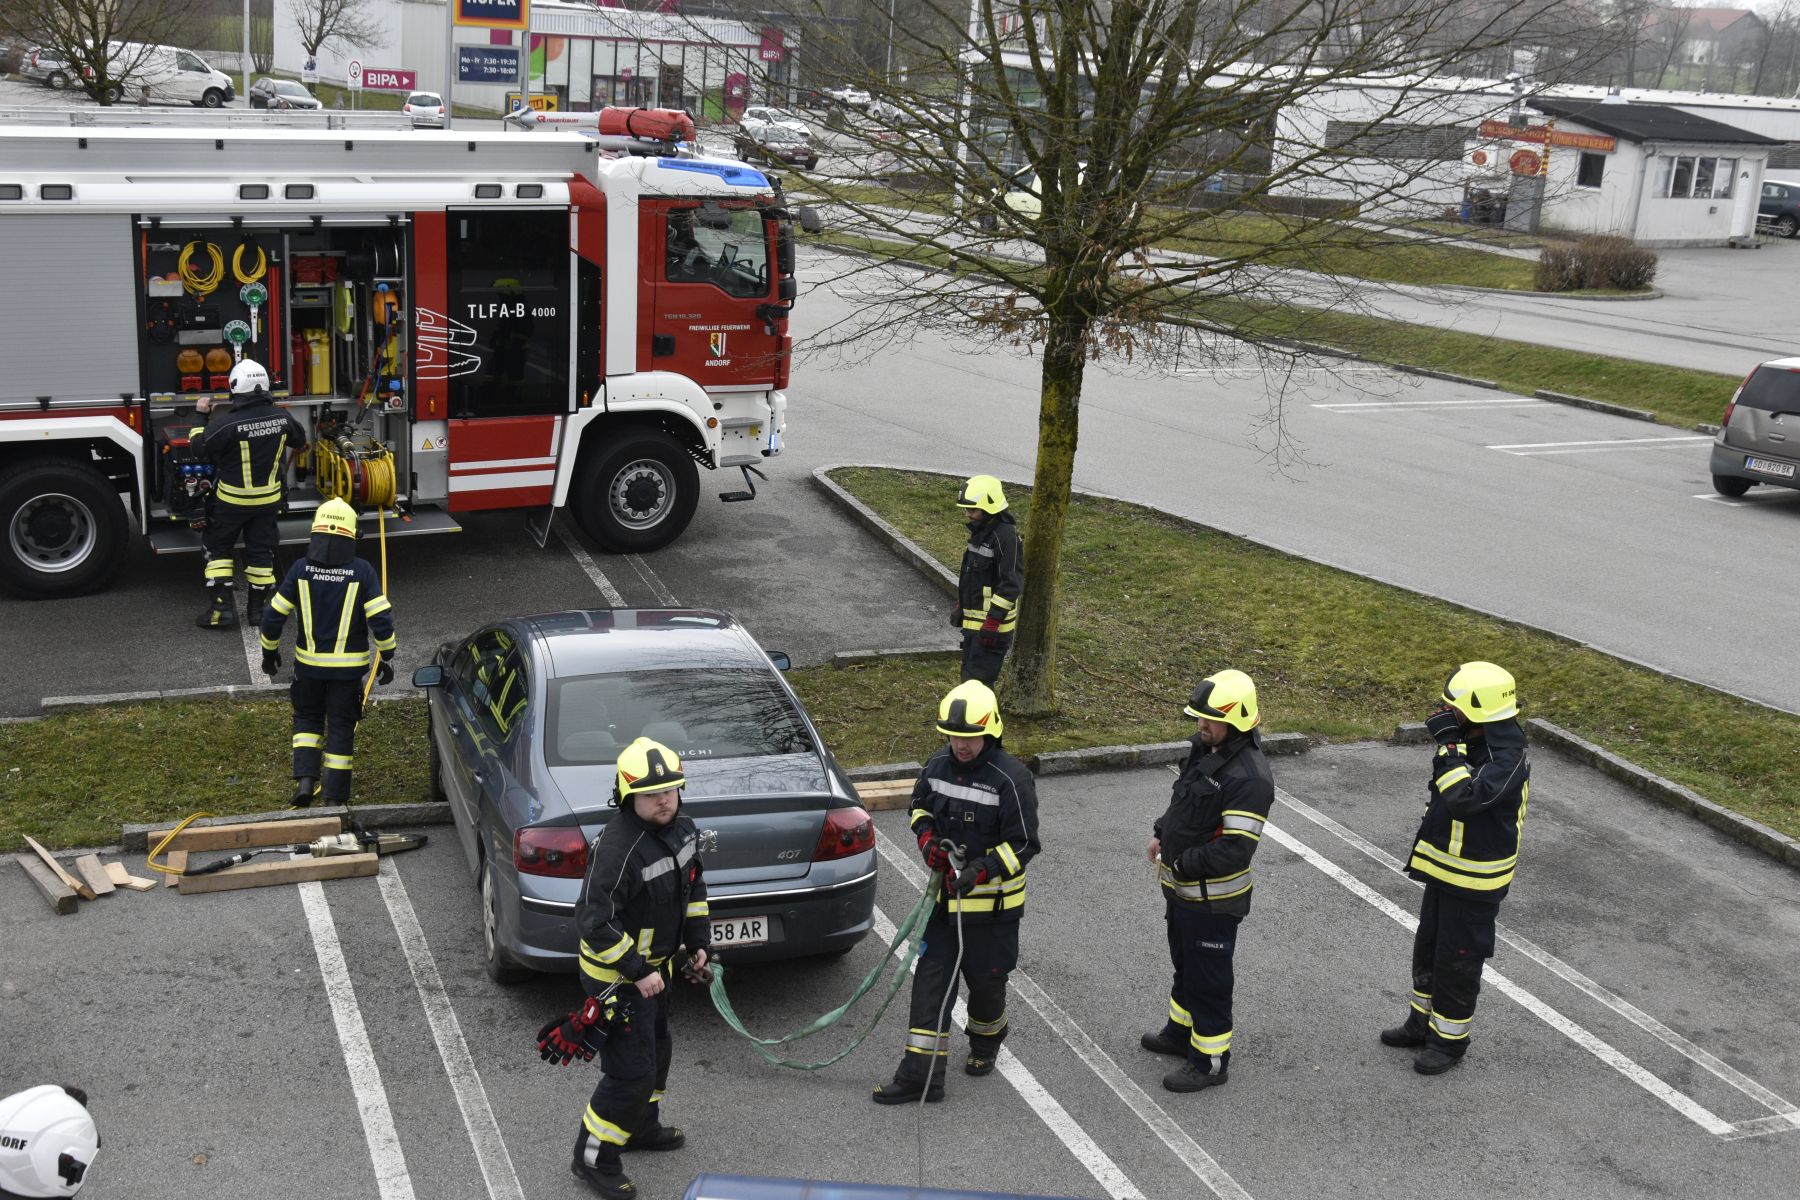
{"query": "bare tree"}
(1135, 180)
(93, 36)
(348, 23)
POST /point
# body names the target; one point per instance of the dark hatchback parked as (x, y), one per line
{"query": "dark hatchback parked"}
(527, 718)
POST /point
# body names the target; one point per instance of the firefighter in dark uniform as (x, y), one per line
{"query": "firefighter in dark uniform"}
(343, 614)
(973, 794)
(1202, 847)
(1465, 852)
(643, 899)
(248, 449)
(993, 574)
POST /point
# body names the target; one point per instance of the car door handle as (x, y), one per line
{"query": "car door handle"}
(455, 729)
(479, 777)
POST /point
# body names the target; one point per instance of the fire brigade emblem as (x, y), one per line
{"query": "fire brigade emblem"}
(717, 341)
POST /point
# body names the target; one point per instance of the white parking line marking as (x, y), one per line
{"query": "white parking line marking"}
(1067, 1130)
(1599, 1049)
(471, 1097)
(654, 582)
(391, 1176)
(1728, 503)
(1567, 973)
(1601, 442)
(1347, 405)
(1204, 1167)
(1545, 449)
(1779, 1123)
(586, 562)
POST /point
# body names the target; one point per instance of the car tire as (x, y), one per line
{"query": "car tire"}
(56, 81)
(500, 966)
(639, 494)
(1731, 485)
(213, 98)
(1787, 225)
(62, 529)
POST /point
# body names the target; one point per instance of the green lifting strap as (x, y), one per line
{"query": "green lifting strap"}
(911, 932)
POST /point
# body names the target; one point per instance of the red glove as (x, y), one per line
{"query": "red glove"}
(971, 878)
(989, 637)
(578, 1035)
(935, 857)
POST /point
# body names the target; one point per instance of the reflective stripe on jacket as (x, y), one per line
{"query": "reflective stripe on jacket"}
(1475, 813)
(988, 806)
(340, 608)
(993, 574)
(644, 897)
(1213, 824)
(248, 449)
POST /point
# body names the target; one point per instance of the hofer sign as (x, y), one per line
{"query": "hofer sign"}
(386, 79)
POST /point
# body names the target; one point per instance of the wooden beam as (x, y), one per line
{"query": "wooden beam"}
(886, 795)
(89, 868)
(69, 881)
(177, 861)
(248, 834)
(121, 876)
(293, 870)
(60, 895)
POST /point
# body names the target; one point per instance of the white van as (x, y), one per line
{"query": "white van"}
(169, 73)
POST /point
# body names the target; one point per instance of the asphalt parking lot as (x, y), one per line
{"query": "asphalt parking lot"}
(341, 1040)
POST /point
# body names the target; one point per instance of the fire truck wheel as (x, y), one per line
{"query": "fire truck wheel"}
(62, 529)
(639, 494)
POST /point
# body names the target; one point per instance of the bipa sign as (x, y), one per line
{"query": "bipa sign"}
(386, 79)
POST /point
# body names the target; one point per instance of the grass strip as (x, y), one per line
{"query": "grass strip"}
(73, 778)
(1676, 396)
(1152, 603)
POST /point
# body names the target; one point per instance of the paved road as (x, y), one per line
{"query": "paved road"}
(1637, 1039)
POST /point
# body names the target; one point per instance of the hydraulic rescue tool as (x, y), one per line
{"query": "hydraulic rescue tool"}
(356, 841)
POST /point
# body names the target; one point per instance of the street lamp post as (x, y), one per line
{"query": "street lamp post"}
(246, 51)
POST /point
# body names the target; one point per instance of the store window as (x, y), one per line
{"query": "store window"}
(1698, 177)
(1590, 170)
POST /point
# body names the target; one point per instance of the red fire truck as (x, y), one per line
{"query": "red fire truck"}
(461, 322)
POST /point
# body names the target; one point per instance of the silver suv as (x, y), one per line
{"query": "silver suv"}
(1759, 437)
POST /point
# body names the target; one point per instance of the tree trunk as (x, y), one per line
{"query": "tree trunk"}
(1032, 662)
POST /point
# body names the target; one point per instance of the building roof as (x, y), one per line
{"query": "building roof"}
(1702, 21)
(1651, 123)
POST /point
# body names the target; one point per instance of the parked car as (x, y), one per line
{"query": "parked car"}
(757, 139)
(1020, 193)
(167, 73)
(48, 67)
(1759, 435)
(1780, 205)
(849, 97)
(282, 93)
(527, 719)
(426, 110)
(12, 57)
(777, 118)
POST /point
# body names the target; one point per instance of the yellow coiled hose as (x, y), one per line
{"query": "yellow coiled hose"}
(363, 477)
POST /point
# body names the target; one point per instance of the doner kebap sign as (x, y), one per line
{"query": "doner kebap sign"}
(494, 14)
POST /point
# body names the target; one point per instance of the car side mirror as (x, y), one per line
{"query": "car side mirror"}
(428, 677)
(781, 660)
(809, 219)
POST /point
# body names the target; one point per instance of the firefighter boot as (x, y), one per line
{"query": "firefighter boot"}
(616, 1186)
(254, 601)
(1435, 1060)
(656, 1137)
(1161, 1043)
(218, 614)
(1194, 1076)
(306, 790)
(1408, 1036)
(908, 1091)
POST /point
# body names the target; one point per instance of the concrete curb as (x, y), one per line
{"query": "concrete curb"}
(1448, 376)
(1673, 795)
(856, 658)
(135, 839)
(1652, 294)
(230, 691)
(1617, 410)
(876, 774)
(896, 541)
(1067, 762)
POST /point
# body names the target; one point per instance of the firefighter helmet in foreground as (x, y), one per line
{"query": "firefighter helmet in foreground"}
(1230, 697)
(647, 766)
(1482, 692)
(47, 1142)
(970, 710)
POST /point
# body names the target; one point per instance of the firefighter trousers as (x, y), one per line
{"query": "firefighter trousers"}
(1201, 946)
(634, 1069)
(224, 523)
(325, 715)
(990, 951)
(1455, 938)
(980, 663)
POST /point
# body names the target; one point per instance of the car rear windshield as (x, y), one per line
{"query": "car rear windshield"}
(1772, 389)
(727, 713)
(425, 98)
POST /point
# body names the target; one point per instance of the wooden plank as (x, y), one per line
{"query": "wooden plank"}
(121, 875)
(249, 834)
(293, 870)
(60, 895)
(69, 881)
(177, 861)
(886, 795)
(89, 868)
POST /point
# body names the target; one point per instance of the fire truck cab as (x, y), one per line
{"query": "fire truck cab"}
(462, 322)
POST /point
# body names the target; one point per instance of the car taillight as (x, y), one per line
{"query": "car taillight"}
(558, 852)
(1732, 403)
(847, 831)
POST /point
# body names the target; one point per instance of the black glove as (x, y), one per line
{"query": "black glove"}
(956, 617)
(384, 671)
(578, 1035)
(1444, 725)
(1190, 863)
(271, 662)
(972, 877)
(936, 859)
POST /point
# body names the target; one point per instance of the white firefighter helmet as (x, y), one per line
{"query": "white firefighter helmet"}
(47, 1142)
(249, 376)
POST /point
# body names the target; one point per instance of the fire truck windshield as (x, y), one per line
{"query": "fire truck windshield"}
(735, 259)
